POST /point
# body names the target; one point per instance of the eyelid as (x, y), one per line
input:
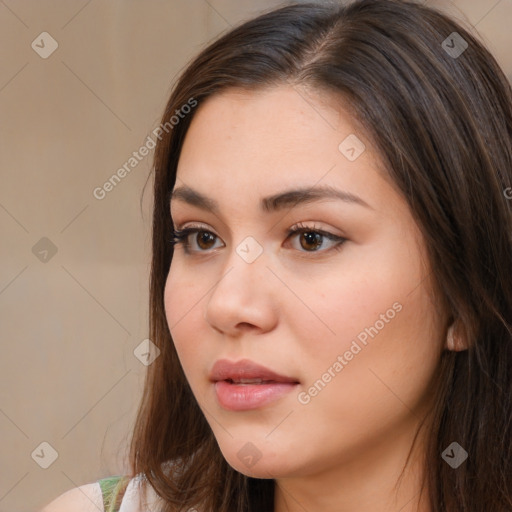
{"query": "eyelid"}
(295, 227)
(198, 227)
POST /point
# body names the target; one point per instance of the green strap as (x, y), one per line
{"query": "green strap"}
(112, 489)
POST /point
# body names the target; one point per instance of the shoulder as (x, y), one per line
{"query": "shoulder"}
(86, 498)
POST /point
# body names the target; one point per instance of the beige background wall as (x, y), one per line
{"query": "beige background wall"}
(70, 321)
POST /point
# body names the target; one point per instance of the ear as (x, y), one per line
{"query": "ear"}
(455, 339)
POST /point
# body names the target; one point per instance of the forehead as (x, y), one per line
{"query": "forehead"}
(242, 145)
(279, 121)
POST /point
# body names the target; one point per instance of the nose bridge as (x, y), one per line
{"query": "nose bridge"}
(247, 262)
(249, 250)
(242, 295)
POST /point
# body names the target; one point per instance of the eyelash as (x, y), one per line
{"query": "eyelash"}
(181, 237)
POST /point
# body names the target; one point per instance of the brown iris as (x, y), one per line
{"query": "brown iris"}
(204, 237)
(311, 238)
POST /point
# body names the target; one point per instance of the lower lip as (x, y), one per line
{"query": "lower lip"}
(244, 397)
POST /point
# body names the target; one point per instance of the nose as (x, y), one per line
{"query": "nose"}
(244, 297)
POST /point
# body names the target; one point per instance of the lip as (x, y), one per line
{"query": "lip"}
(245, 369)
(236, 396)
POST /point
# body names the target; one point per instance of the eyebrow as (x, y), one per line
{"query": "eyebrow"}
(272, 203)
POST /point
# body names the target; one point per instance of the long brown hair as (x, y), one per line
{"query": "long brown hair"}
(442, 123)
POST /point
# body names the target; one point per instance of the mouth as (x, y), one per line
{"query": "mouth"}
(246, 385)
(246, 372)
(246, 396)
(246, 382)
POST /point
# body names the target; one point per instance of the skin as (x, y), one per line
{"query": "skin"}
(295, 310)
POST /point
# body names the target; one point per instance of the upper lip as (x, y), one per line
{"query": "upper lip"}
(245, 369)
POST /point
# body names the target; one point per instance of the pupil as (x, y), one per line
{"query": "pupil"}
(204, 236)
(312, 238)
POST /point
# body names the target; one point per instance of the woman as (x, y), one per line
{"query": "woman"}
(330, 287)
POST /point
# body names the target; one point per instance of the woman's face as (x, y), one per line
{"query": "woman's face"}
(350, 324)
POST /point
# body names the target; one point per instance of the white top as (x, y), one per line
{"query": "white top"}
(132, 498)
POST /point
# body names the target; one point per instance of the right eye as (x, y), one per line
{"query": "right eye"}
(203, 241)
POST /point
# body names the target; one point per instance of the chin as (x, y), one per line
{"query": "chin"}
(256, 463)
(259, 470)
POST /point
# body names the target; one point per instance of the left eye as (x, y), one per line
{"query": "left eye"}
(311, 239)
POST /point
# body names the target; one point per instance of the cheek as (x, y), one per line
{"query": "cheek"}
(376, 330)
(183, 310)
(376, 384)
(362, 298)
